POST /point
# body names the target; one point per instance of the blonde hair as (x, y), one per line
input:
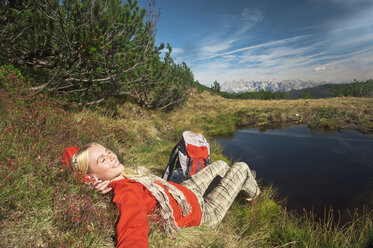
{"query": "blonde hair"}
(139, 171)
(80, 159)
(80, 163)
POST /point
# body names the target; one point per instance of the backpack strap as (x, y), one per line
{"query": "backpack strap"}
(171, 161)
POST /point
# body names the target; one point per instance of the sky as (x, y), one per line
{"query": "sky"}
(230, 40)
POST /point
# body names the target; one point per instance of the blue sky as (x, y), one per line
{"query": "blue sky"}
(320, 40)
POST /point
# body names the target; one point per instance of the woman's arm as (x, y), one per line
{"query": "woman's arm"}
(133, 225)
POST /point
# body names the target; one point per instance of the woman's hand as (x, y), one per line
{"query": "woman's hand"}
(100, 185)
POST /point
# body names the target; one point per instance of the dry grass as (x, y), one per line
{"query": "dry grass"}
(216, 116)
(43, 205)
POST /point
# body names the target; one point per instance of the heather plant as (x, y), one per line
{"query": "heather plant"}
(39, 194)
(45, 204)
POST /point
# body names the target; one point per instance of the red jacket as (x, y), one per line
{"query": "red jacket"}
(135, 202)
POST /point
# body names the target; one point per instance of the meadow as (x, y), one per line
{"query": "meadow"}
(44, 204)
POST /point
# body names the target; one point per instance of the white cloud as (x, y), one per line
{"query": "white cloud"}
(342, 52)
(233, 29)
(344, 2)
(250, 17)
(263, 45)
(229, 58)
(177, 50)
(215, 47)
(282, 61)
(320, 68)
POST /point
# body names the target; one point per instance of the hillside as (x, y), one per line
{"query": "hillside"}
(43, 205)
(320, 91)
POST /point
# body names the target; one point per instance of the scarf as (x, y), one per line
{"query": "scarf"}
(167, 220)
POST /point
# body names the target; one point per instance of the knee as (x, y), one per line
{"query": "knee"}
(242, 165)
(221, 163)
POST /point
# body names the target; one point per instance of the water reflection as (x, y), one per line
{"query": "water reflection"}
(312, 168)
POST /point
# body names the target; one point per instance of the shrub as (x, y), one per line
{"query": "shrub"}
(90, 51)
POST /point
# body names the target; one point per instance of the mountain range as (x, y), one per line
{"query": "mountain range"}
(272, 85)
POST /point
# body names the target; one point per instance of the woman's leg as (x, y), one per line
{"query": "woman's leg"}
(219, 200)
(200, 181)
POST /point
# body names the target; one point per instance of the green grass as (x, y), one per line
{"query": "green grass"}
(44, 205)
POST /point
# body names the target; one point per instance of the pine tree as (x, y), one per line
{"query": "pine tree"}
(215, 87)
(93, 50)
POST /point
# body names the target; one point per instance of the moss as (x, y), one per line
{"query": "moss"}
(221, 125)
(270, 209)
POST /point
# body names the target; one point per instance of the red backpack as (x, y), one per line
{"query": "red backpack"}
(191, 154)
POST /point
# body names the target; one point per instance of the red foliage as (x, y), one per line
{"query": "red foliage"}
(38, 128)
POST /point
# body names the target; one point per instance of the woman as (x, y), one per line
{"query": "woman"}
(140, 195)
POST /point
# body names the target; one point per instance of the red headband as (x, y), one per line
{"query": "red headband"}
(68, 154)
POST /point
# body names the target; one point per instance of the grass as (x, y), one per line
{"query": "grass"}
(44, 205)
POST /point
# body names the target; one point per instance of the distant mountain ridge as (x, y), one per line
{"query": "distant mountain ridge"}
(272, 85)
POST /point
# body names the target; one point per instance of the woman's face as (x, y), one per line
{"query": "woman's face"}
(103, 163)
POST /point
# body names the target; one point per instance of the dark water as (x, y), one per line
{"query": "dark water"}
(313, 169)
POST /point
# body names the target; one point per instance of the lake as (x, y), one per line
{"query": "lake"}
(314, 169)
